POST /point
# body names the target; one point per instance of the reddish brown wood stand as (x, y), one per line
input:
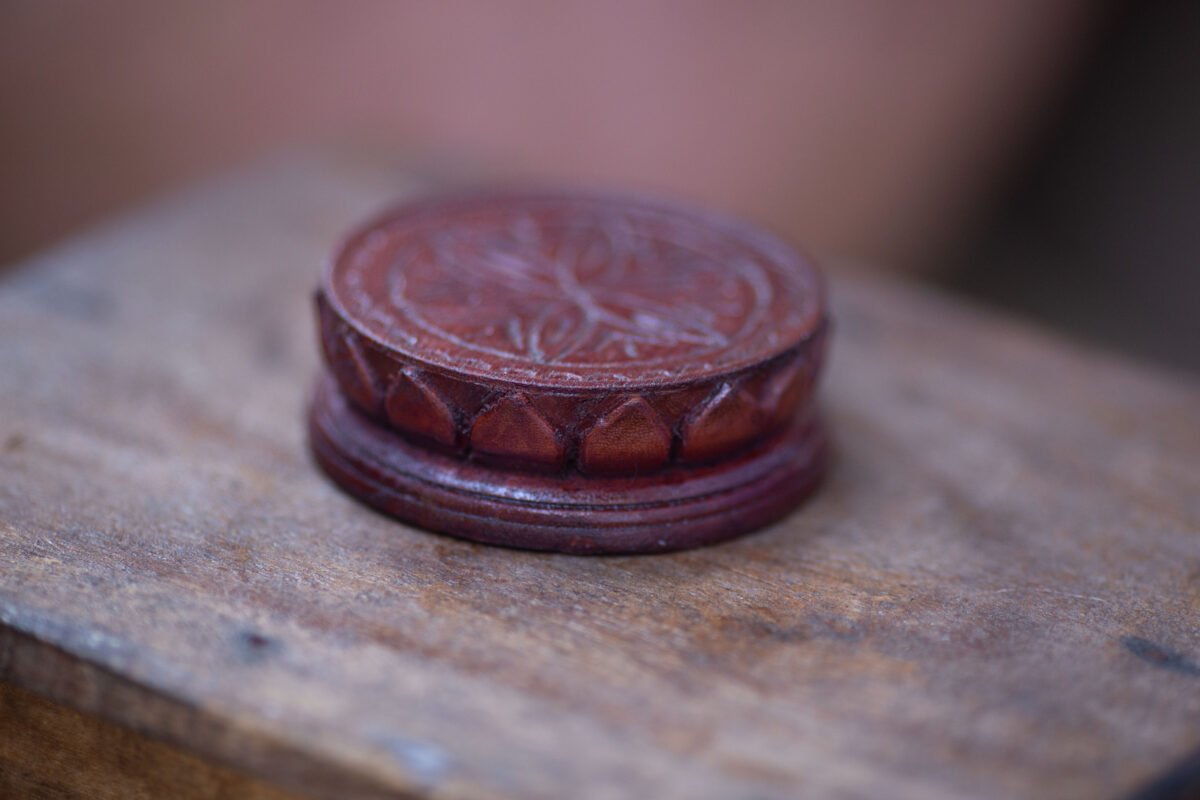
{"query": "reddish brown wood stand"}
(572, 372)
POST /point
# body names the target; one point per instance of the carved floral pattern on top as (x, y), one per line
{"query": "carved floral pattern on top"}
(573, 291)
(539, 332)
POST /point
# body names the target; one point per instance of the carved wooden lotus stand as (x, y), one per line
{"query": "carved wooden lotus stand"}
(574, 372)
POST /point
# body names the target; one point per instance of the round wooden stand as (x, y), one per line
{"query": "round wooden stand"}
(579, 373)
(677, 508)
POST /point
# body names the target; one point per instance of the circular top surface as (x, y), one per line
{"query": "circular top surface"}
(573, 290)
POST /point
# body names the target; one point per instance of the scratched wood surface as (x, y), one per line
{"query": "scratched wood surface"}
(997, 593)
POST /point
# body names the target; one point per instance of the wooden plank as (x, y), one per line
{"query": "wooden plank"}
(48, 751)
(995, 595)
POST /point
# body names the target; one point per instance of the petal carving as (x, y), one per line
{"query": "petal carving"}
(513, 429)
(349, 364)
(729, 419)
(630, 438)
(415, 407)
(786, 391)
(354, 375)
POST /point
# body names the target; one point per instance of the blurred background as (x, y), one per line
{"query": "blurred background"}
(1041, 156)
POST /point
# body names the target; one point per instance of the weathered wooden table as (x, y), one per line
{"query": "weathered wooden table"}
(997, 594)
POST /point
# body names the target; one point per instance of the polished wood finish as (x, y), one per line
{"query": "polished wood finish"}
(994, 594)
(571, 371)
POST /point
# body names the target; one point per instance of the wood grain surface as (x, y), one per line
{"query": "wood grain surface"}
(49, 752)
(996, 594)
